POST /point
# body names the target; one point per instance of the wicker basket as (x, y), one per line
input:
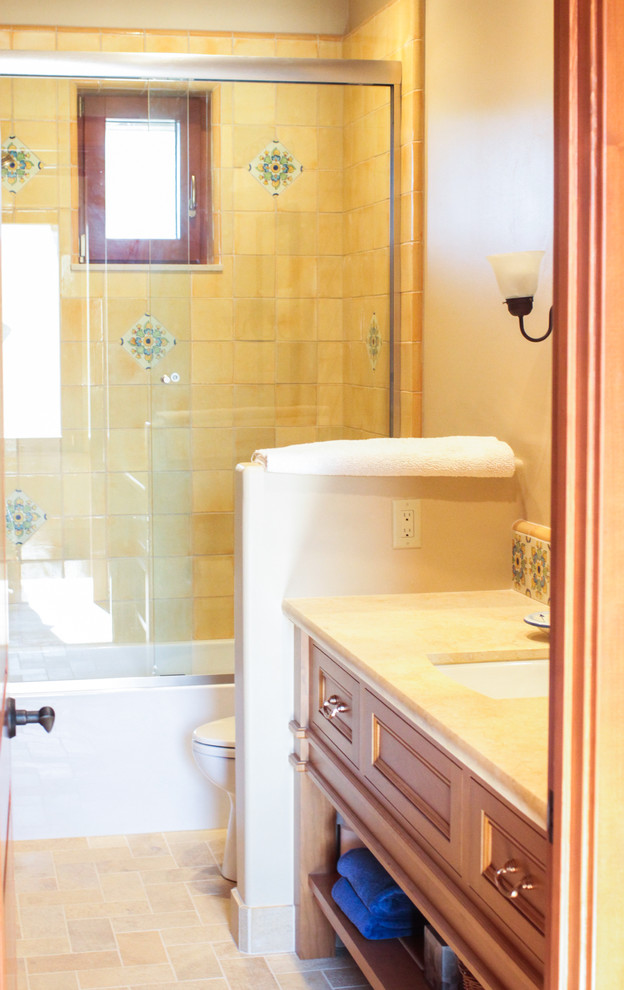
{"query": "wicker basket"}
(468, 980)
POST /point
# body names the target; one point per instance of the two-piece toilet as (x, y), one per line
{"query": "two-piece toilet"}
(214, 753)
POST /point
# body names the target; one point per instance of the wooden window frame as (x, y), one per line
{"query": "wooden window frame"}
(192, 112)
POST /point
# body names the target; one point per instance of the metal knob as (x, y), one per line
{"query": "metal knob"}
(513, 890)
(14, 717)
(333, 706)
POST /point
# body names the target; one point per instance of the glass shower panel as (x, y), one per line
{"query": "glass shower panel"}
(121, 521)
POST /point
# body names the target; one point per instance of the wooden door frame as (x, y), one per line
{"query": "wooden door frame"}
(585, 945)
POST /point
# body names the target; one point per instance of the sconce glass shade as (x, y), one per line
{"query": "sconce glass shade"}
(517, 273)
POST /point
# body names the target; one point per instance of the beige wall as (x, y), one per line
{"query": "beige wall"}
(489, 177)
(299, 16)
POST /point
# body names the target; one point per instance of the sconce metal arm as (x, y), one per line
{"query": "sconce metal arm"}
(521, 308)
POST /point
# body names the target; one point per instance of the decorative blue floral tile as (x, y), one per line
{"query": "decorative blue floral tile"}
(530, 566)
(19, 164)
(275, 168)
(23, 517)
(373, 342)
(147, 341)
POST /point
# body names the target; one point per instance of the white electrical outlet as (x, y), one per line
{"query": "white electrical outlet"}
(406, 523)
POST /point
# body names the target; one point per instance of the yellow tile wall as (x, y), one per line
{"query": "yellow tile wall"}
(270, 350)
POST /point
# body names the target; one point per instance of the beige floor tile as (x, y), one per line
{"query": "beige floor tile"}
(288, 962)
(197, 933)
(212, 909)
(169, 897)
(244, 973)
(106, 909)
(122, 887)
(77, 876)
(91, 935)
(27, 884)
(30, 845)
(190, 985)
(102, 856)
(194, 962)
(48, 897)
(27, 948)
(192, 854)
(148, 845)
(210, 885)
(126, 976)
(142, 864)
(183, 874)
(312, 979)
(42, 921)
(141, 948)
(107, 841)
(155, 921)
(73, 961)
(54, 981)
(34, 863)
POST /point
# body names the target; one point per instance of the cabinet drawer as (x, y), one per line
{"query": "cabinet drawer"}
(334, 704)
(501, 840)
(415, 778)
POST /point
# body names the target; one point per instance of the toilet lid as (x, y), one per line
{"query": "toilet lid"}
(218, 733)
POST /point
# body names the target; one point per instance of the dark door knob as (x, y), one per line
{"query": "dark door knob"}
(14, 717)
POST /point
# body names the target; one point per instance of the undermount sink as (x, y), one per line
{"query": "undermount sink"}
(497, 675)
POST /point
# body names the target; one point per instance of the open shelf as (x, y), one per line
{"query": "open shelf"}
(389, 963)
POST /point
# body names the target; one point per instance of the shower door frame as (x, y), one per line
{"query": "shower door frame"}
(239, 68)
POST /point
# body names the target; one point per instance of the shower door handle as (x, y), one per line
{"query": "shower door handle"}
(14, 717)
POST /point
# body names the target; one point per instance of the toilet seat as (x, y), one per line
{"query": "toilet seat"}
(218, 735)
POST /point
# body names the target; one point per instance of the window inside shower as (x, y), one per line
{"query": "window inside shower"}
(133, 391)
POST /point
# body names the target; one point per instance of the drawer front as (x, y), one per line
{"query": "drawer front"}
(334, 704)
(415, 778)
(507, 865)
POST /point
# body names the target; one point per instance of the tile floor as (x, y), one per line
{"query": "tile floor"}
(143, 911)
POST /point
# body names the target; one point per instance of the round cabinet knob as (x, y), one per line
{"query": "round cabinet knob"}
(518, 884)
(333, 706)
(14, 717)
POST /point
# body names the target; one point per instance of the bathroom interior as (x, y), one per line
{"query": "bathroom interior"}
(352, 301)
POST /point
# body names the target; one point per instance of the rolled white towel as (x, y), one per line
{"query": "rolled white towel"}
(458, 457)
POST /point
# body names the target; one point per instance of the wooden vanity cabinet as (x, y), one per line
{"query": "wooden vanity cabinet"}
(470, 862)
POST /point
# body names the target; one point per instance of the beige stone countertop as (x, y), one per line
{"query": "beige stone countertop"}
(388, 640)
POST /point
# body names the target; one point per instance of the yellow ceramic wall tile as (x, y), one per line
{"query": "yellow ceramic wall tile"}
(412, 117)
(173, 577)
(213, 618)
(254, 319)
(81, 364)
(248, 440)
(171, 449)
(296, 276)
(296, 362)
(254, 405)
(212, 405)
(128, 450)
(216, 44)
(330, 190)
(411, 304)
(254, 276)
(413, 62)
(247, 140)
(296, 103)
(212, 363)
(412, 159)
(155, 42)
(212, 449)
(411, 267)
(330, 277)
(128, 406)
(127, 577)
(212, 319)
(123, 41)
(295, 405)
(213, 577)
(171, 534)
(290, 46)
(215, 284)
(169, 284)
(213, 491)
(173, 620)
(171, 491)
(302, 195)
(34, 99)
(84, 538)
(285, 435)
(128, 493)
(247, 194)
(46, 544)
(255, 233)
(43, 489)
(84, 494)
(129, 625)
(297, 319)
(254, 362)
(128, 536)
(122, 368)
(212, 532)
(330, 319)
(122, 314)
(81, 451)
(82, 406)
(330, 362)
(297, 233)
(127, 285)
(329, 405)
(256, 45)
(34, 40)
(253, 102)
(77, 41)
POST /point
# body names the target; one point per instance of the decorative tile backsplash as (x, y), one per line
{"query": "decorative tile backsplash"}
(147, 341)
(23, 517)
(19, 164)
(530, 560)
(275, 168)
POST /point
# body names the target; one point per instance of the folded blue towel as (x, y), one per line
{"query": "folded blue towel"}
(374, 886)
(357, 912)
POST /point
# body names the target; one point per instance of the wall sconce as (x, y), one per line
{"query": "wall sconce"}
(517, 274)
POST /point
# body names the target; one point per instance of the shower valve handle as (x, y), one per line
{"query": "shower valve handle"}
(14, 717)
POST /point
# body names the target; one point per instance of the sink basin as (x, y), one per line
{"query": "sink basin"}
(497, 676)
